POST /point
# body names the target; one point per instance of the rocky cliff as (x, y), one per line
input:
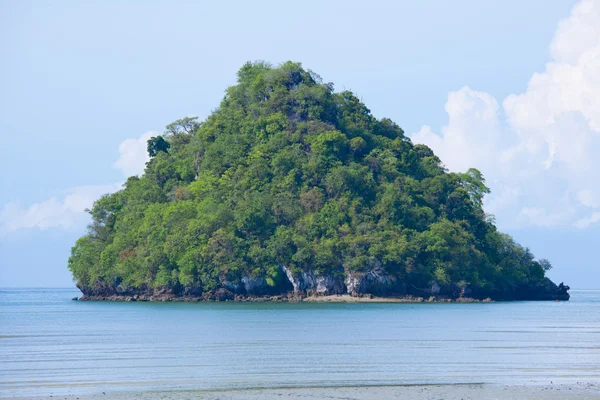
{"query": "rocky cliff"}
(298, 285)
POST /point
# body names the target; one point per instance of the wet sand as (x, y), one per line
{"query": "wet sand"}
(577, 391)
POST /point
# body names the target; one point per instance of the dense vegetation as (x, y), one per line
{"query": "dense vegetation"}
(288, 172)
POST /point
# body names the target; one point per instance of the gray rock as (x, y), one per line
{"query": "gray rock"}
(310, 283)
(234, 287)
(255, 285)
(435, 288)
(375, 281)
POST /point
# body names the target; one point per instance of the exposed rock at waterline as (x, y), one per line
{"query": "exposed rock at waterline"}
(300, 284)
(311, 283)
(375, 282)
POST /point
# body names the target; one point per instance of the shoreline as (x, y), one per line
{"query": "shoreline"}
(346, 298)
(579, 390)
(334, 298)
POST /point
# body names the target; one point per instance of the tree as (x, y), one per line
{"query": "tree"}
(156, 144)
(474, 182)
(545, 264)
(187, 125)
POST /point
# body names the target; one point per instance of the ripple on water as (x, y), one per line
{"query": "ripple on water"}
(52, 345)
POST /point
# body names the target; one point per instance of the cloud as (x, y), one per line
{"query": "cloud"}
(133, 154)
(67, 211)
(540, 150)
(587, 221)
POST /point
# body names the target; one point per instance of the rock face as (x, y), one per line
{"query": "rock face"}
(101, 290)
(311, 283)
(300, 284)
(375, 282)
(253, 286)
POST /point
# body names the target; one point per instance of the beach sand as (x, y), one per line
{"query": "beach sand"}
(578, 391)
(346, 298)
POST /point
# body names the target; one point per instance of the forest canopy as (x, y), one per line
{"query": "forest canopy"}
(288, 174)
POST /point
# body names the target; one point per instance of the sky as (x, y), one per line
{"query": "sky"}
(509, 87)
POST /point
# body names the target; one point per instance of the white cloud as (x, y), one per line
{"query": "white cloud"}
(68, 210)
(472, 132)
(586, 197)
(541, 152)
(587, 221)
(133, 154)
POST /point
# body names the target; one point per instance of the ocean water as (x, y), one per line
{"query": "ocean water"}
(50, 345)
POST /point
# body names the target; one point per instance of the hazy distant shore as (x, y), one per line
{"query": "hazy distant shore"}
(579, 391)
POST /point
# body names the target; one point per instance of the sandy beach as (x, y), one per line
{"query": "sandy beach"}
(577, 391)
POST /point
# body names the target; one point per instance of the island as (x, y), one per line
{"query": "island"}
(290, 190)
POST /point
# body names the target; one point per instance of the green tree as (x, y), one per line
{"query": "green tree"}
(157, 144)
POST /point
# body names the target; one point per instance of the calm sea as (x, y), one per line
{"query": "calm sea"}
(52, 345)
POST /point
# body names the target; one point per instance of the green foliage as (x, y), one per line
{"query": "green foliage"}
(545, 264)
(187, 125)
(156, 144)
(474, 183)
(288, 172)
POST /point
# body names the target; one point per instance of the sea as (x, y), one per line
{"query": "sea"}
(51, 345)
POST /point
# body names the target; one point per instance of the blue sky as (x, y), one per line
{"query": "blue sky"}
(504, 86)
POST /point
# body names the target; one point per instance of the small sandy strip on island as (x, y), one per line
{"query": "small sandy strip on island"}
(346, 298)
(576, 391)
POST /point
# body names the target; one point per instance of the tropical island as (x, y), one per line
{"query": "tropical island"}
(290, 189)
